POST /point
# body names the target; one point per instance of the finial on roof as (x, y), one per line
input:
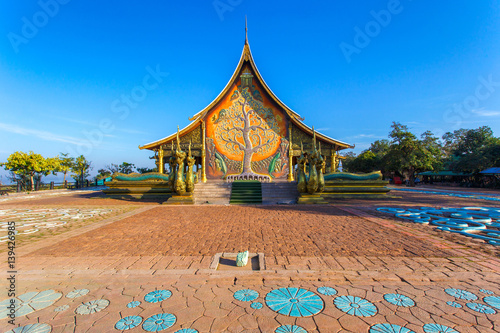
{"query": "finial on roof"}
(246, 31)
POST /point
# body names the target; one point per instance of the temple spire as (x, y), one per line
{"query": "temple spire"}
(246, 31)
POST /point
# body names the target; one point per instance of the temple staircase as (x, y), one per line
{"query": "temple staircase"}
(212, 192)
(246, 192)
(279, 192)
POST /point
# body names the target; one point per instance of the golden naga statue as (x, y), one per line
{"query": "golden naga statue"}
(320, 166)
(173, 164)
(180, 156)
(189, 174)
(312, 181)
(301, 172)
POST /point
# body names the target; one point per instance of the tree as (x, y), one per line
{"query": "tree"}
(471, 150)
(146, 170)
(103, 174)
(246, 128)
(81, 168)
(30, 166)
(366, 162)
(65, 164)
(125, 168)
(407, 154)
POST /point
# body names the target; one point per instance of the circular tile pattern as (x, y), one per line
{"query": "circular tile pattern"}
(246, 295)
(187, 330)
(77, 293)
(32, 328)
(133, 304)
(294, 302)
(389, 328)
(157, 296)
(454, 304)
(399, 300)
(30, 302)
(437, 328)
(355, 306)
(92, 307)
(493, 301)
(486, 291)
(327, 291)
(62, 308)
(256, 305)
(461, 294)
(159, 322)
(480, 308)
(290, 329)
(128, 323)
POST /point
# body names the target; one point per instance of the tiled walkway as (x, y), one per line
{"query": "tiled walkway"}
(378, 270)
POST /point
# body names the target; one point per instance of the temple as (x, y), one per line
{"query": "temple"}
(246, 133)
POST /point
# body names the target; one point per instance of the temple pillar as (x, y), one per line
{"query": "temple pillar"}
(160, 160)
(203, 168)
(290, 154)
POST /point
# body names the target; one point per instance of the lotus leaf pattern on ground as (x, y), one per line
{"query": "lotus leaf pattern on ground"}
(159, 322)
(246, 295)
(294, 302)
(128, 323)
(91, 307)
(355, 306)
(30, 302)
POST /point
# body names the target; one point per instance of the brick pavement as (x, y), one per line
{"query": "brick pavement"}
(272, 230)
(419, 263)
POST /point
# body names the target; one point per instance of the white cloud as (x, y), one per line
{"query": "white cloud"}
(486, 113)
(367, 136)
(40, 134)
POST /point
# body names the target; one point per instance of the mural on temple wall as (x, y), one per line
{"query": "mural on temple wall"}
(246, 135)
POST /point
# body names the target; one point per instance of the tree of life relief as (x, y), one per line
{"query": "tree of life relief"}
(248, 139)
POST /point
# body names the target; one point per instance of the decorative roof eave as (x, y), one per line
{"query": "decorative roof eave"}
(155, 144)
(246, 55)
(322, 137)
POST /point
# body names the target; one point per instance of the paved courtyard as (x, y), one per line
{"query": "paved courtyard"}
(342, 267)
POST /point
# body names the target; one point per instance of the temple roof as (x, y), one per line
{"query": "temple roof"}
(246, 57)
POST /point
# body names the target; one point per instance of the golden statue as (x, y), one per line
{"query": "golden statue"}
(180, 156)
(189, 174)
(172, 163)
(312, 181)
(301, 172)
(320, 166)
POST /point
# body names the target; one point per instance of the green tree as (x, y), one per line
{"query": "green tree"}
(365, 162)
(30, 166)
(125, 168)
(65, 164)
(146, 170)
(472, 150)
(407, 154)
(103, 174)
(81, 168)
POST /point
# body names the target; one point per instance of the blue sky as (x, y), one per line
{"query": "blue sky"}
(68, 67)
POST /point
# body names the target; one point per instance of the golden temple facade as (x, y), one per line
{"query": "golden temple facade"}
(246, 133)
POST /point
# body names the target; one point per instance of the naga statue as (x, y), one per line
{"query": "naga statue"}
(312, 181)
(172, 163)
(301, 172)
(189, 174)
(180, 156)
(320, 166)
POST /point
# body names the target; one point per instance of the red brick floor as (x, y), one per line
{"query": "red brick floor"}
(272, 230)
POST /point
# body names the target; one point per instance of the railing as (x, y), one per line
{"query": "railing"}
(5, 189)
